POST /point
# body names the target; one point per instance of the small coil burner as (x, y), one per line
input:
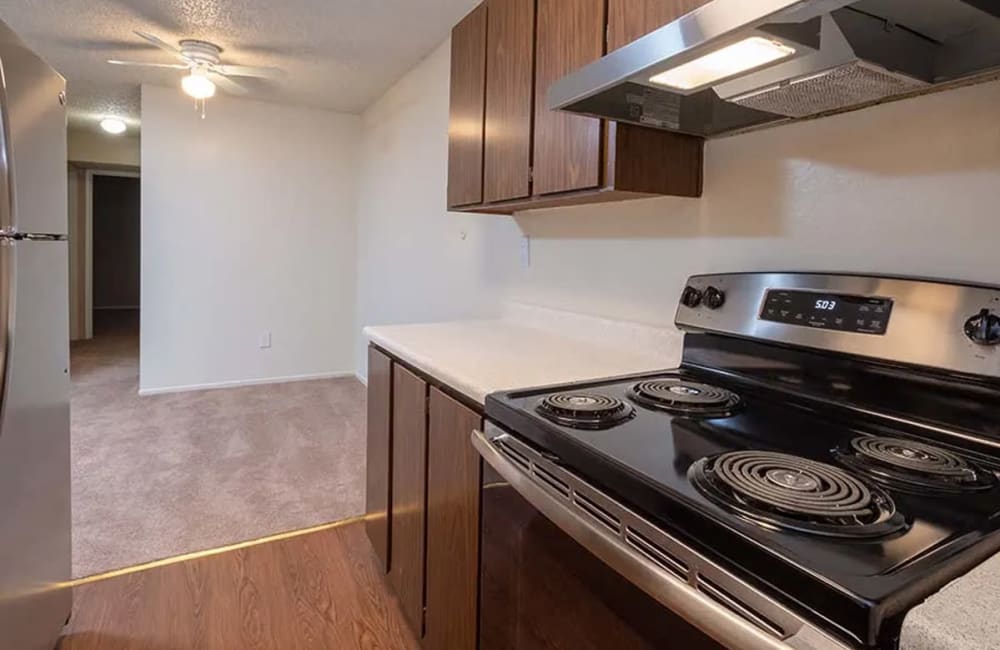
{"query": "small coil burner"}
(791, 493)
(684, 397)
(915, 466)
(585, 410)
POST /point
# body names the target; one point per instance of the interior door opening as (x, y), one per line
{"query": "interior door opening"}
(115, 255)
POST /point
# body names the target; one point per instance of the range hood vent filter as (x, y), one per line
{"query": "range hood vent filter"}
(852, 84)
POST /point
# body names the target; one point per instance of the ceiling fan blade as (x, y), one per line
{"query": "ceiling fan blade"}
(160, 43)
(226, 84)
(174, 66)
(249, 71)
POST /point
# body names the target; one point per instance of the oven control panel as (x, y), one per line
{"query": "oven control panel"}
(829, 311)
(938, 324)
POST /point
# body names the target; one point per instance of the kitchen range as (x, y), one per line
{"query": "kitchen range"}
(826, 457)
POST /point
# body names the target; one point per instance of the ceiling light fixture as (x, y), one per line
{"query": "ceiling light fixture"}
(113, 125)
(713, 67)
(197, 85)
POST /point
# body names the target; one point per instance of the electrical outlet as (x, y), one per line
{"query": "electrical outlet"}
(264, 340)
(525, 252)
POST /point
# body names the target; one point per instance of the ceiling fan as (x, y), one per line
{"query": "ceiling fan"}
(203, 60)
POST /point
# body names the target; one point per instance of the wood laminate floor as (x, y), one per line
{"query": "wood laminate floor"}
(320, 590)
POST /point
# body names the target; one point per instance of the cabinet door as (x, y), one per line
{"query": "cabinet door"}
(409, 467)
(468, 105)
(509, 102)
(567, 147)
(453, 481)
(629, 20)
(379, 453)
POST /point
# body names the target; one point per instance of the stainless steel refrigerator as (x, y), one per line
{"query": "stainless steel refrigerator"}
(34, 352)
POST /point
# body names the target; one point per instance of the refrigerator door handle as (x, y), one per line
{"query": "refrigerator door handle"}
(8, 266)
(6, 162)
(7, 246)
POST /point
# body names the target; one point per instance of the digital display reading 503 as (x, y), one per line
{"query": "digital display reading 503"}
(861, 314)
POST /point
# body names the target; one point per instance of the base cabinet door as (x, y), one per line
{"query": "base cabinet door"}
(453, 484)
(379, 453)
(409, 464)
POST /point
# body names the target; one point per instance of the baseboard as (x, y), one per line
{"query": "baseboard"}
(362, 378)
(245, 382)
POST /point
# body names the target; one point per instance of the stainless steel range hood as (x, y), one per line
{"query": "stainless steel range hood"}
(733, 65)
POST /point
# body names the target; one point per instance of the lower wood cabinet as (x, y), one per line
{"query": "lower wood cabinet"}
(379, 453)
(423, 500)
(409, 484)
(453, 484)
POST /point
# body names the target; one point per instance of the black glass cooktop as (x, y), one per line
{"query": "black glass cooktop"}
(849, 520)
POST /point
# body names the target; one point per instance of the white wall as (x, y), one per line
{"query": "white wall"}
(909, 188)
(419, 262)
(91, 145)
(247, 225)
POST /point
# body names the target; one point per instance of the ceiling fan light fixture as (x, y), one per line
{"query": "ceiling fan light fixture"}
(197, 85)
(113, 125)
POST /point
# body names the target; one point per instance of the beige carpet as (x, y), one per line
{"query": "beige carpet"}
(159, 476)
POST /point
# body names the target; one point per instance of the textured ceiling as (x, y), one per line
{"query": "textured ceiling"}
(338, 54)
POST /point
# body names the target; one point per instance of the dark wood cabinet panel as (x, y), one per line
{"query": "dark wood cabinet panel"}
(536, 158)
(467, 110)
(379, 453)
(409, 475)
(453, 483)
(680, 161)
(570, 34)
(629, 20)
(509, 99)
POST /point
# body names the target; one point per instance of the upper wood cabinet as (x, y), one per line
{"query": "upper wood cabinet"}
(509, 90)
(468, 106)
(533, 157)
(567, 147)
(629, 20)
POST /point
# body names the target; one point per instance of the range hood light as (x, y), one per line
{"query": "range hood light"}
(723, 63)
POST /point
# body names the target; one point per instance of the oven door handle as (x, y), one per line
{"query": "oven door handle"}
(714, 619)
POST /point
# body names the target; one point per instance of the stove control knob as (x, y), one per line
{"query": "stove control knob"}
(691, 297)
(714, 298)
(983, 328)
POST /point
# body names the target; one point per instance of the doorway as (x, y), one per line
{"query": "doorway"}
(115, 255)
(104, 233)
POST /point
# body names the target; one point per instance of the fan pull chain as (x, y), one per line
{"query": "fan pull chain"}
(199, 104)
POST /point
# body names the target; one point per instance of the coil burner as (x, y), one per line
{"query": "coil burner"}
(682, 397)
(915, 466)
(788, 492)
(585, 410)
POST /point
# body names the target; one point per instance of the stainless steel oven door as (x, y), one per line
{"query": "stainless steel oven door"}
(565, 566)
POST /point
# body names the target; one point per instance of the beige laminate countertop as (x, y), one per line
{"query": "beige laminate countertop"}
(479, 357)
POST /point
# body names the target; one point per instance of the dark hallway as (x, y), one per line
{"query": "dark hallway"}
(115, 245)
